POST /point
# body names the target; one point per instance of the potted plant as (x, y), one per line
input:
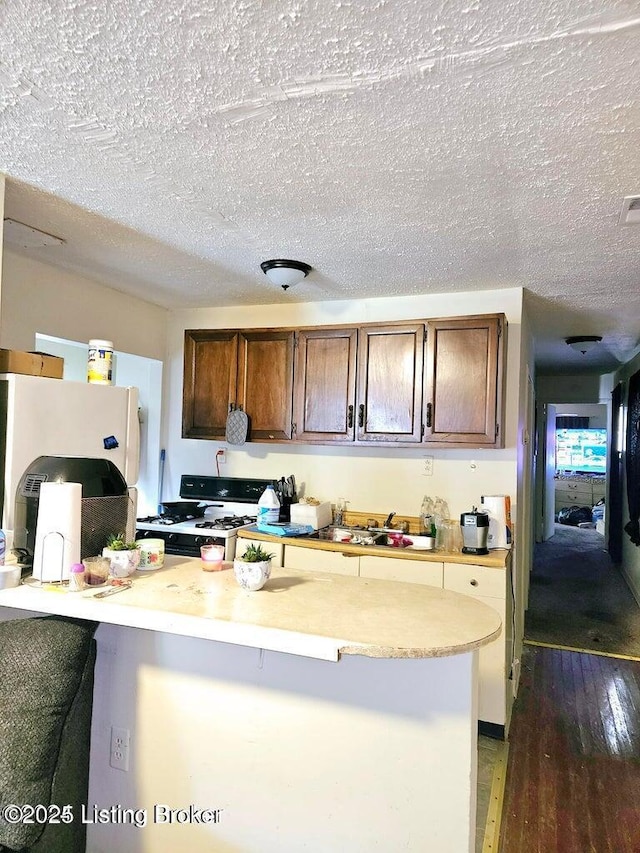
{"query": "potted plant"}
(124, 556)
(253, 569)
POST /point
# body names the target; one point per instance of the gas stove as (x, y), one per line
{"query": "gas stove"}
(236, 506)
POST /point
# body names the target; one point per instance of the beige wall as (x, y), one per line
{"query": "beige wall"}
(38, 297)
(569, 388)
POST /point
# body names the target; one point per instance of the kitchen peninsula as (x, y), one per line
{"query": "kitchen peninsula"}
(321, 713)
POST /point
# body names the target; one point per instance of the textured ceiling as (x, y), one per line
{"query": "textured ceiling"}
(399, 147)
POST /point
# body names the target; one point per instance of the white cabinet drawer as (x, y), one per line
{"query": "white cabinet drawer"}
(275, 548)
(574, 498)
(317, 560)
(475, 580)
(395, 569)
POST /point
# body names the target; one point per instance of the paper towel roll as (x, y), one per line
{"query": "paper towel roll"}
(58, 530)
(498, 508)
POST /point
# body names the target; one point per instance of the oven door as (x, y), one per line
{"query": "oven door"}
(187, 544)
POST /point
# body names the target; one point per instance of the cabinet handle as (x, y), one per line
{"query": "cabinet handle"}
(361, 415)
(342, 554)
(473, 582)
(350, 416)
(429, 410)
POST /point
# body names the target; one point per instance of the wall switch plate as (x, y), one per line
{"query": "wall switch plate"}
(119, 751)
(428, 466)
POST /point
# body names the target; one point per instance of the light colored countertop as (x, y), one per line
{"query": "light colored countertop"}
(303, 613)
(494, 559)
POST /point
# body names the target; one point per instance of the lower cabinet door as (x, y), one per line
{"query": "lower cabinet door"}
(489, 586)
(275, 548)
(394, 569)
(492, 674)
(317, 560)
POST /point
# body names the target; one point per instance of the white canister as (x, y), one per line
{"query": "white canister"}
(151, 554)
(100, 363)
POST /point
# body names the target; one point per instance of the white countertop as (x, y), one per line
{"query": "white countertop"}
(313, 614)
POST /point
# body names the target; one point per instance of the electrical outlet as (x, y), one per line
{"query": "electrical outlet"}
(428, 466)
(221, 456)
(119, 752)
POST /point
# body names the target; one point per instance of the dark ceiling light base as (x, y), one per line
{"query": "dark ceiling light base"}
(284, 272)
(583, 343)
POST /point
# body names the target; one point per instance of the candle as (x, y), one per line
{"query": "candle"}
(211, 557)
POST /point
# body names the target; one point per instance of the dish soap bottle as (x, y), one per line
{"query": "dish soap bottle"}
(268, 507)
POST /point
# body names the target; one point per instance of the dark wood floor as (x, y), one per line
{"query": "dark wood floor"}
(573, 778)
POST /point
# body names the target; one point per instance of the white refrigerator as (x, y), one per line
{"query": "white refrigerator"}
(53, 417)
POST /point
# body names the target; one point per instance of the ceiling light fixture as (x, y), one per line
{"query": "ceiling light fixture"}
(583, 343)
(285, 273)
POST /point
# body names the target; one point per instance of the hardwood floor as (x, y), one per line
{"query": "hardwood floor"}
(573, 777)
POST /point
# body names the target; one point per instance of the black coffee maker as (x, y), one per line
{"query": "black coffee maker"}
(106, 506)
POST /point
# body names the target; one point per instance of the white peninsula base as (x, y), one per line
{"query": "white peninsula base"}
(290, 753)
(323, 713)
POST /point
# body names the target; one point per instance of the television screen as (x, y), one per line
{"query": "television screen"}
(582, 450)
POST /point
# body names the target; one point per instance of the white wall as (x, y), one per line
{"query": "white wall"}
(596, 412)
(371, 479)
(38, 297)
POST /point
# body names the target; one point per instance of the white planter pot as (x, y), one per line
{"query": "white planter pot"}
(252, 576)
(123, 563)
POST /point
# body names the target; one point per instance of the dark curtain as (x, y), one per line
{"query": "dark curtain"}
(571, 422)
(633, 459)
(616, 496)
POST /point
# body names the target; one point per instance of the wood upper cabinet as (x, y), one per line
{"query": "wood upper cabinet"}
(210, 374)
(463, 381)
(265, 382)
(389, 396)
(375, 383)
(325, 385)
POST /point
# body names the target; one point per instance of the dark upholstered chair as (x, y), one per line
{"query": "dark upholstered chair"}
(46, 694)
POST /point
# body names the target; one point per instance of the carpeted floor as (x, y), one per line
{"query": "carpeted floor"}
(578, 598)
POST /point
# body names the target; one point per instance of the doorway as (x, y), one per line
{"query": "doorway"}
(572, 476)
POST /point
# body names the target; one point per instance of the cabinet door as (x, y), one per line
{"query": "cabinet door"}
(275, 548)
(317, 560)
(409, 571)
(463, 377)
(490, 586)
(209, 387)
(325, 384)
(265, 382)
(389, 404)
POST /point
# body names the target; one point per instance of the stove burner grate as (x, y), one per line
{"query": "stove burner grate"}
(159, 519)
(228, 522)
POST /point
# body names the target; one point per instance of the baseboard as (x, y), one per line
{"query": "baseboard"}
(491, 842)
(581, 651)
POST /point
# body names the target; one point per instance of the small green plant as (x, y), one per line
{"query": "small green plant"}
(255, 554)
(118, 542)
